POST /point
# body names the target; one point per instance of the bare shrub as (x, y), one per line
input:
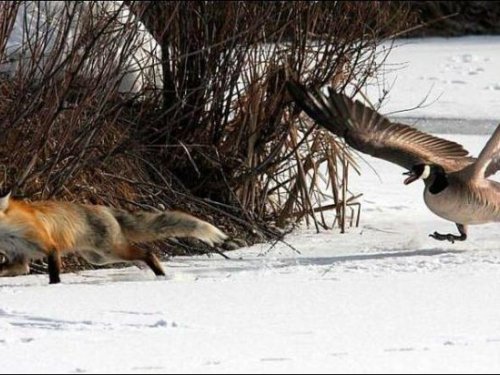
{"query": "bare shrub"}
(224, 69)
(197, 119)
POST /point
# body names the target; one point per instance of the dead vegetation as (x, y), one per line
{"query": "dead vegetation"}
(196, 119)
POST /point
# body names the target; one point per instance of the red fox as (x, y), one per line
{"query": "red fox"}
(100, 234)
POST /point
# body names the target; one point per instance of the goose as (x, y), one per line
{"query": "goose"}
(457, 187)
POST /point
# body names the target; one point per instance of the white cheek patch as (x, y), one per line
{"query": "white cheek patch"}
(426, 173)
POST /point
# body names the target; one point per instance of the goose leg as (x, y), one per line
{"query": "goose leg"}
(451, 237)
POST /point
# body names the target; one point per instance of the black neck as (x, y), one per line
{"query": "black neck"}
(439, 183)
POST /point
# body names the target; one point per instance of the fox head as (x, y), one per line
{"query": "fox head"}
(12, 243)
(13, 265)
(12, 261)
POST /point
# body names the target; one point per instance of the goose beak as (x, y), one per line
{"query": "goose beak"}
(411, 177)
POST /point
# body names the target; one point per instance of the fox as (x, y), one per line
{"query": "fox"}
(100, 234)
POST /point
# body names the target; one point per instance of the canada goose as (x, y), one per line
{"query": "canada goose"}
(456, 185)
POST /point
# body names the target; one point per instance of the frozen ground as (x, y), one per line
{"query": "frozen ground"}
(382, 298)
(449, 78)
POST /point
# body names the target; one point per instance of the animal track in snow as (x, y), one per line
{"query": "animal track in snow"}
(495, 87)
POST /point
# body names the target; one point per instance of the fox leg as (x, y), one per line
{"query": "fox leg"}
(152, 261)
(133, 254)
(54, 261)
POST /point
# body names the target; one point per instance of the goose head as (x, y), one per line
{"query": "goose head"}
(425, 172)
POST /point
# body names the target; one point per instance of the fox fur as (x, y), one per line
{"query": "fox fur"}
(99, 234)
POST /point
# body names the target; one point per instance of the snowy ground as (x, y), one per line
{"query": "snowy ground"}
(454, 78)
(382, 298)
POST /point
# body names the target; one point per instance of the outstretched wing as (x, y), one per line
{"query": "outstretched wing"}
(488, 162)
(494, 166)
(369, 132)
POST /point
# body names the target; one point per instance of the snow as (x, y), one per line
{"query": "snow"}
(382, 298)
(41, 21)
(458, 77)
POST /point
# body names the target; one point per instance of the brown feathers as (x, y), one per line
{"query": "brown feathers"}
(369, 132)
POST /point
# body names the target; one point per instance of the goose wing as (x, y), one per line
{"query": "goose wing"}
(494, 166)
(488, 162)
(369, 132)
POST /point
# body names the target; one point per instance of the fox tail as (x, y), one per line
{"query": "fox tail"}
(150, 226)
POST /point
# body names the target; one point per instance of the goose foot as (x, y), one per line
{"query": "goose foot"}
(451, 237)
